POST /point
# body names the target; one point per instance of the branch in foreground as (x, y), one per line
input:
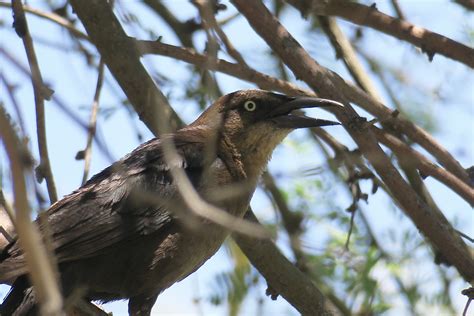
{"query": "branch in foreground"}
(429, 42)
(39, 266)
(434, 226)
(282, 275)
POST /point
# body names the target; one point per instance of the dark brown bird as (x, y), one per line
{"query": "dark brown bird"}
(127, 233)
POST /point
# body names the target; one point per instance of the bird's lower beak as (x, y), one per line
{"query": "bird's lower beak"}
(287, 116)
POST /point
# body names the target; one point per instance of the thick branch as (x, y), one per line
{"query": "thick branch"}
(434, 226)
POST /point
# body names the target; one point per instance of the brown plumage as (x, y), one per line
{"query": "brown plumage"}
(127, 233)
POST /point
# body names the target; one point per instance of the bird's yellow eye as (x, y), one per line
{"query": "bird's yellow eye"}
(250, 106)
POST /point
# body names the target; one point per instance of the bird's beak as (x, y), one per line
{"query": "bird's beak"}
(287, 116)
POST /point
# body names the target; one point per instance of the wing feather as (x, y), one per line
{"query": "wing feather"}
(113, 206)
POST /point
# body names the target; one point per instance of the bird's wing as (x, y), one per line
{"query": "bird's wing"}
(129, 199)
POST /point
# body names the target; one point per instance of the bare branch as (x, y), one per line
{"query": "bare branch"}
(92, 122)
(51, 17)
(429, 42)
(398, 9)
(208, 16)
(41, 93)
(39, 266)
(422, 163)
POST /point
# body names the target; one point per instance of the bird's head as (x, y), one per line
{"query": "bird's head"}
(256, 121)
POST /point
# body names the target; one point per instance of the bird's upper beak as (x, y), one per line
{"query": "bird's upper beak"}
(282, 115)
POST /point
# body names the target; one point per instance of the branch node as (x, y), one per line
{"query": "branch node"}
(40, 173)
(19, 24)
(271, 292)
(46, 92)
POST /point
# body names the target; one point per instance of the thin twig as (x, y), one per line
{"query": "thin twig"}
(55, 18)
(10, 91)
(465, 236)
(210, 21)
(41, 92)
(184, 31)
(92, 122)
(61, 105)
(344, 50)
(398, 9)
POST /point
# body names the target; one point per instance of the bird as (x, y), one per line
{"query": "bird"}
(127, 232)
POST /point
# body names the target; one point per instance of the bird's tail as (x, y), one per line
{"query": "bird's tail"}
(21, 300)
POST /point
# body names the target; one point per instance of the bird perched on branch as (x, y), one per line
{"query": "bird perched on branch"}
(128, 232)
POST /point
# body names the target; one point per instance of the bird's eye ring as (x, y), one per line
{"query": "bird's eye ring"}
(250, 106)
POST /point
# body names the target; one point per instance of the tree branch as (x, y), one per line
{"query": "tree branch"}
(429, 42)
(415, 159)
(121, 56)
(41, 92)
(39, 266)
(355, 95)
(55, 18)
(282, 275)
(87, 152)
